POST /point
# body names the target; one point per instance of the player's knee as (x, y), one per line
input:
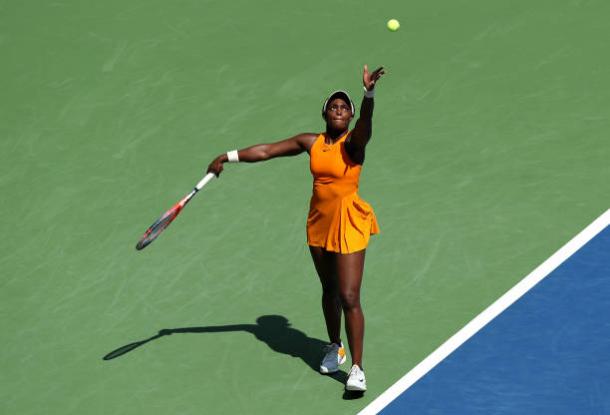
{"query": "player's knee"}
(350, 299)
(329, 288)
(330, 295)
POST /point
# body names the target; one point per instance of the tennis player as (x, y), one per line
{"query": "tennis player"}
(339, 223)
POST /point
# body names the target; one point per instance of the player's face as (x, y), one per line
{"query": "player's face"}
(338, 114)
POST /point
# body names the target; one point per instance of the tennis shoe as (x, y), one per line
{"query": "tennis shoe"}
(356, 380)
(334, 355)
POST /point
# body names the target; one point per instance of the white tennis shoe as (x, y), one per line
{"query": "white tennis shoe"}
(356, 380)
(333, 357)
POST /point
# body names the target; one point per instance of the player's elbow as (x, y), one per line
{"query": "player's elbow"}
(263, 154)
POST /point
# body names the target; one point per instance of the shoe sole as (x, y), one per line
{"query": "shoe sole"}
(325, 371)
(354, 388)
(328, 372)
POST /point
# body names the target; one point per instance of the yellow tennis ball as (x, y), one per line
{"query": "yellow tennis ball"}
(393, 25)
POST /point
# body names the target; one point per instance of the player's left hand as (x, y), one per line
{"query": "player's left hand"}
(370, 78)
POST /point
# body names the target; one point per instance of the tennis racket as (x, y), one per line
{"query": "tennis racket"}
(164, 221)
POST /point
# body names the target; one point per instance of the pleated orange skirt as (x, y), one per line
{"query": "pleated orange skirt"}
(344, 226)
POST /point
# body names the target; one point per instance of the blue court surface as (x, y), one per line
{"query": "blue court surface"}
(543, 348)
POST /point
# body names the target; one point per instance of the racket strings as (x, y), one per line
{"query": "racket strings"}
(158, 227)
(166, 219)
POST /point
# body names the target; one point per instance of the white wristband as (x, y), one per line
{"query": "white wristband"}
(232, 156)
(369, 94)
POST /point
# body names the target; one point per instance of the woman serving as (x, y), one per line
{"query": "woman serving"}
(339, 222)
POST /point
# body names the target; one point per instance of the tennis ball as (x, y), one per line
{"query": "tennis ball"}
(393, 25)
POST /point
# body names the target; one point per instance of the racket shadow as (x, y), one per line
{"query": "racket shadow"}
(273, 330)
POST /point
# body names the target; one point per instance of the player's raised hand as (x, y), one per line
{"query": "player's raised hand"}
(370, 78)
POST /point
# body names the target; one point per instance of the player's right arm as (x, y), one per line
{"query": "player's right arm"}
(260, 152)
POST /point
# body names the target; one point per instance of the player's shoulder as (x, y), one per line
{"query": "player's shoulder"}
(307, 139)
(309, 136)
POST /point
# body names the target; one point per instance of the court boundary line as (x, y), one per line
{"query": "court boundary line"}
(487, 315)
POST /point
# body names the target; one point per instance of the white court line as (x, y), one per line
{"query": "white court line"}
(487, 315)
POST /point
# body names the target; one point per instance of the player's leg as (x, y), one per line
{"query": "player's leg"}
(334, 353)
(350, 268)
(331, 306)
(349, 272)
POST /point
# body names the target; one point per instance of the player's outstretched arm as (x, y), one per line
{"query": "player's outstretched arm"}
(260, 152)
(361, 134)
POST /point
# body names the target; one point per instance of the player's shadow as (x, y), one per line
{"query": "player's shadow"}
(273, 330)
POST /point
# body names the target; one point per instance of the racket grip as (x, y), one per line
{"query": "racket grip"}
(204, 181)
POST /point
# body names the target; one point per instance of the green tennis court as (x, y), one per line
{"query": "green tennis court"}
(490, 150)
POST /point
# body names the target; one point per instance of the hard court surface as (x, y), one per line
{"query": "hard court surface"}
(490, 151)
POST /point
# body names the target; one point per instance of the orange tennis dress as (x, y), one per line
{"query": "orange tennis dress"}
(338, 220)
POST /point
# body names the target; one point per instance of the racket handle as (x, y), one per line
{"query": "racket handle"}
(204, 181)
